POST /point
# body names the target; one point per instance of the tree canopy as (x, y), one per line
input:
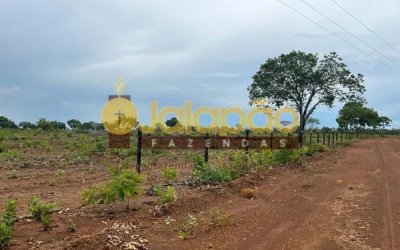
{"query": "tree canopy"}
(7, 123)
(354, 115)
(312, 122)
(171, 122)
(74, 124)
(50, 125)
(305, 82)
(26, 125)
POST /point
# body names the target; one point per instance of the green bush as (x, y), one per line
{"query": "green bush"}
(165, 195)
(7, 219)
(9, 215)
(40, 209)
(101, 146)
(211, 174)
(121, 186)
(5, 234)
(284, 156)
(170, 174)
(46, 221)
(2, 148)
(315, 148)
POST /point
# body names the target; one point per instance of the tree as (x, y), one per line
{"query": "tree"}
(384, 121)
(305, 82)
(43, 124)
(354, 115)
(7, 123)
(74, 124)
(312, 123)
(171, 122)
(50, 125)
(26, 125)
(92, 126)
(326, 129)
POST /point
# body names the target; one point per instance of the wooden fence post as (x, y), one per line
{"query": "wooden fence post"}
(139, 150)
(329, 138)
(271, 141)
(206, 149)
(246, 149)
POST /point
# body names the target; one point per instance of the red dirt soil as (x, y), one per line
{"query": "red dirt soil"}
(346, 198)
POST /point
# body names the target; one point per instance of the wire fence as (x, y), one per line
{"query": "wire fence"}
(334, 138)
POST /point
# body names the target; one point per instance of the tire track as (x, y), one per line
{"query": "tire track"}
(389, 228)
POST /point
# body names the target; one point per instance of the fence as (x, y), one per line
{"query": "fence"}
(334, 138)
(326, 138)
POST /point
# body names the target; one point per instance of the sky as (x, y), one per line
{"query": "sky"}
(60, 59)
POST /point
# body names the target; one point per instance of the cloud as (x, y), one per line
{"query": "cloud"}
(7, 91)
(219, 75)
(206, 51)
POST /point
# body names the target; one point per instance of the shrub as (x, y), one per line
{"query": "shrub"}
(71, 226)
(60, 174)
(284, 156)
(2, 148)
(9, 215)
(7, 219)
(40, 209)
(315, 148)
(12, 155)
(14, 174)
(121, 186)
(165, 195)
(101, 146)
(211, 174)
(46, 221)
(187, 228)
(5, 234)
(219, 219)
(170, 175)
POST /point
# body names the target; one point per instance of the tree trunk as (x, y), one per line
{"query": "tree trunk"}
(300, 132)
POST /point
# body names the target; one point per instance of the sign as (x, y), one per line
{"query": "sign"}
(218, 142)
(119, 141)
(115, 117)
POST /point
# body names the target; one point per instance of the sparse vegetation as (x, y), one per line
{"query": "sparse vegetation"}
(71, 226)
(219, 219)
(7, 220)
(2, 148)
(170, 175)
(125, 185)
(165, 194)
(60, 174)
(40, 211)
(14, 174)
(187, 228)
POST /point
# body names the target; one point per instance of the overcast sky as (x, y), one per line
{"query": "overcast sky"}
(60, 59)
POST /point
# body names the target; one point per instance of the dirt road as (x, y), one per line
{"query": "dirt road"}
(348, 199)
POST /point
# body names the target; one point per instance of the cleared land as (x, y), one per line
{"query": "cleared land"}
(347, 198)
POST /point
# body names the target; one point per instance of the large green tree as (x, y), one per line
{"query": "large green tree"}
(74, 124)
(354, 116)
(26, 125)
(305, 82)
(7, 123)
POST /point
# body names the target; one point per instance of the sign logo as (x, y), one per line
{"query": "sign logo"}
(120, 116)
